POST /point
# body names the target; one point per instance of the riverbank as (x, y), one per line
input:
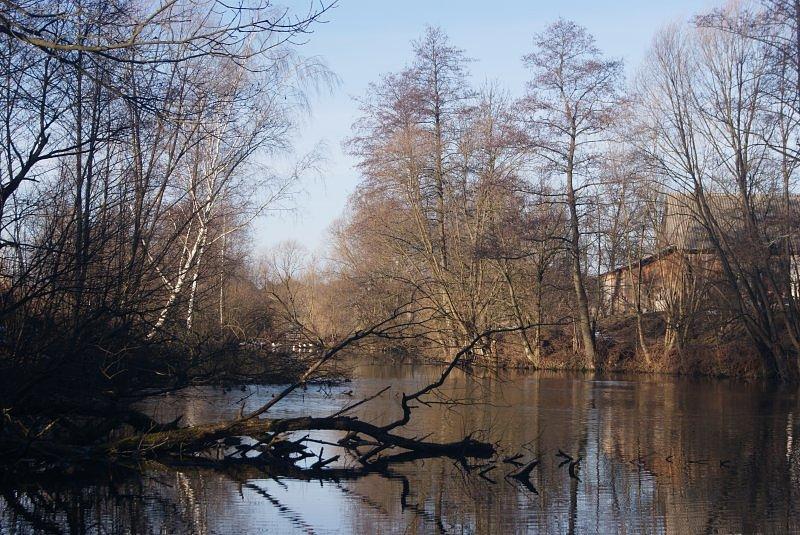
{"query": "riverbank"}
(62, 410)
(621, 349)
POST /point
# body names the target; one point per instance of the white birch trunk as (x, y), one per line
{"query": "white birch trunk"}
(183, 271)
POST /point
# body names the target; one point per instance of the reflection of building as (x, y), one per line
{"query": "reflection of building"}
(687, 254)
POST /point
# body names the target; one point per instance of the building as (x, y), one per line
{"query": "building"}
(687, 258)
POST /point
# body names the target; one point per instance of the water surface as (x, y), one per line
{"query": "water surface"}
(659, 455)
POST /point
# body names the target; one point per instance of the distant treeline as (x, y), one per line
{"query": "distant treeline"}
(550, 212)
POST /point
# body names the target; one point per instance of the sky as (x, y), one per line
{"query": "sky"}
(364, 39)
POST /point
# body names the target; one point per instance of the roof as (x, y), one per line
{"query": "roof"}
(684, 228)
(644, 261)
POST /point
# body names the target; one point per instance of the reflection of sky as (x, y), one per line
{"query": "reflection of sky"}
(367, 38)
(306, 506)
(609, 424)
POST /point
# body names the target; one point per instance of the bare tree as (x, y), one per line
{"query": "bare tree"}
(570, 105)
(706, 102)
(137, 143)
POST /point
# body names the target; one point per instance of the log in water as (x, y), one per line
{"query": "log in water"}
(636, 454)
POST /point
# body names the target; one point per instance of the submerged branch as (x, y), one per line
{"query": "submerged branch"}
(195, 439)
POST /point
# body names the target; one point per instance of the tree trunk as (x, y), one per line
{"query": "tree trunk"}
(183, 271)
(581, 300)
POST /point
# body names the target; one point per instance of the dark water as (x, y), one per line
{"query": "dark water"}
(659, 455)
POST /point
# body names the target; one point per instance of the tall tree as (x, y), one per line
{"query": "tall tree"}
(570, 106)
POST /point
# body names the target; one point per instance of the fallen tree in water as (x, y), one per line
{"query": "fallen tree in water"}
(267, 433)
(120, 435)
(254, 439)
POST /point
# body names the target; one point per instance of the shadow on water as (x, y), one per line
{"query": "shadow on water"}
(617, 454)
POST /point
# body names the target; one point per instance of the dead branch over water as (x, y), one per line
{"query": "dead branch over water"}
(266, 433)
(250, 438)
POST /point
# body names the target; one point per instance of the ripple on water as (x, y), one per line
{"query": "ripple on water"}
(659, 455)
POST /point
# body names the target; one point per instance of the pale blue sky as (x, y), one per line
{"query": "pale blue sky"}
(364, 39)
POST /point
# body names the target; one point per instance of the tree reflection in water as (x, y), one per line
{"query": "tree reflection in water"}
(657, 455)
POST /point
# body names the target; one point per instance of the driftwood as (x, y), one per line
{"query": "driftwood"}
(513, 459)
(254, 446)
(524, 473)
(201, 437)
(386, 446)
(255, 439)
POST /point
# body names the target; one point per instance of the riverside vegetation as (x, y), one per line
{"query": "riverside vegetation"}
(486, 230)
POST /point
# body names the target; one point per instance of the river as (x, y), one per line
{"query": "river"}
(658, 455)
